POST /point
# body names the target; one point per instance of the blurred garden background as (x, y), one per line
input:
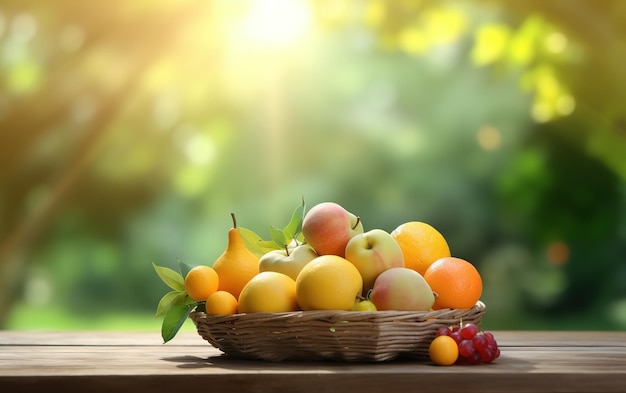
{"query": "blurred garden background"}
(130, 130)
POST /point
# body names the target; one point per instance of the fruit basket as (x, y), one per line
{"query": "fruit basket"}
(330, 335)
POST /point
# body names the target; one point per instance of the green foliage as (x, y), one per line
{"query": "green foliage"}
(293, 229)
(280, 237)
(174, 319)
(255, 243)
(175, 306)
(169, 300)
(170, 277)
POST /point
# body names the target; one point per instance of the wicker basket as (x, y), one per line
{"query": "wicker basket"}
(330, 335)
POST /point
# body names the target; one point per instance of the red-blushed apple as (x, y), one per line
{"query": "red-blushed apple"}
(288, 261)
(401, 289)
(328, 226)
(372, 253)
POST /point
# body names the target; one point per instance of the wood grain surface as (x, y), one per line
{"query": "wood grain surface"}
(531, 361)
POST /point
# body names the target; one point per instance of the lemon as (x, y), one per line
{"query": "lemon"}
(268, 292)
(328, 282)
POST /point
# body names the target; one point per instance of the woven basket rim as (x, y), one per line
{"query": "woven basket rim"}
(340, 314)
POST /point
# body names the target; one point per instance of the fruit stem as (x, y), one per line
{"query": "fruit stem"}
(234, 220)
(358, 219)
(287, 249)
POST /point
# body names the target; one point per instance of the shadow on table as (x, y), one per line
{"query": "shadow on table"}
(507, 360)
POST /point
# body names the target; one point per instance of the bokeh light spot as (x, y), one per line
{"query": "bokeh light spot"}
(565, 104)
(414, 41)
(556, 42)
(490, 44)
(489, 138)
(37, 291)
(23, 28)
(541, 112)
(558, 253)
(24, 77)
(200, 149)
(375, 13)
(617, 312)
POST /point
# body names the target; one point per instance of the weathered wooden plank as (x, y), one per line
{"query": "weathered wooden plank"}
(340, 381)
(508, 338)
(107, 361)
(95, 338)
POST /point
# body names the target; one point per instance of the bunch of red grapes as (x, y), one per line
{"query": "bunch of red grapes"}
(474, 346)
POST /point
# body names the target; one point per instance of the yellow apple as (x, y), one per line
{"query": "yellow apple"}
(288, 261)
(372, 253)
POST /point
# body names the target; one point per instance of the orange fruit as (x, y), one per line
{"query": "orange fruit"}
(328, 282)
(421, 244)
(200, 282)
(443, 351)
(455, 281)
(221, 303)
(268, 292)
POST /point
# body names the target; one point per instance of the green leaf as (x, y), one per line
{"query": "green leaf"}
(267, 246)
(294, 227)
(250, 238)
(169, 300)
(279, 237)
(184, 268)
(255, 243)
(170, 277)
(174, 320)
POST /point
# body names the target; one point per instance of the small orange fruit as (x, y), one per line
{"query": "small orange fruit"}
(455, 281)
(221, 303)
(443, 351)
(200, 282)
(268, 292)
(421, 244)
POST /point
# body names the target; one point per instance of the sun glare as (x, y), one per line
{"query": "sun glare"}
(277, 23)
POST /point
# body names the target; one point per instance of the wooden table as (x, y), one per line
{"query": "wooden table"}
(139, 362)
